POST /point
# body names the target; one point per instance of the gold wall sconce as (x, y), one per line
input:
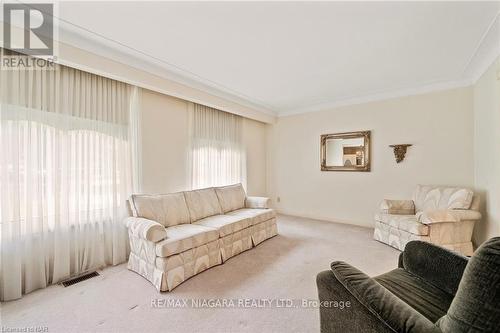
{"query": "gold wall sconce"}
(400, 151)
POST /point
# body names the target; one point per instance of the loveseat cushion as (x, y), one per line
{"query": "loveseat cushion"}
(183, 237)
(231, 197)
(166, 209)
(407, 223)
(202, 203)
(435, 197)
(226, 224)
(428, 300)
(256, 216)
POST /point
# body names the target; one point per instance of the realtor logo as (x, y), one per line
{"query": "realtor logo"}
(29, 28)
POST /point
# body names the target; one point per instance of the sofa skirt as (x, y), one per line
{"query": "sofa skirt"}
(263, 231)
(447, 235)
(233, 244)
(146, 270)
(167, 273)
(395, 237)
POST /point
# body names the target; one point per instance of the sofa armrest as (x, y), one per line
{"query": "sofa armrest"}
(434, 264)
(380, 302)
(397, 207)
(448, 215)
(146, 229)
(257, 202)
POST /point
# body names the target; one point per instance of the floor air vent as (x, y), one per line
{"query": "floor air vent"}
(80, 278)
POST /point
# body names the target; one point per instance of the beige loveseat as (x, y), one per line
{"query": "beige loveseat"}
(443, 216)
(175, 236)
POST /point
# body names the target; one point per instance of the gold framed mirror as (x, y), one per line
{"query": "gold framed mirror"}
(348, 151)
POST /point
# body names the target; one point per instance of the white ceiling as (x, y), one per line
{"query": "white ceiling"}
(290, 57)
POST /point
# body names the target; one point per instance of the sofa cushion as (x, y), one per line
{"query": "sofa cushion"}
(226, 224)
(435, 197)
(255, 215)
(428, 300)
(166, 209)
(183, 237)
(231, 197)
(202, 203)
(407, 223)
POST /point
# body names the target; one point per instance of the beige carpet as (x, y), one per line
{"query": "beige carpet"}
(283, 267)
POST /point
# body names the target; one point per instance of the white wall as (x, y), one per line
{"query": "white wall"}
(254, 140)
(164, 139)
(165, 142)
(487, 151)
(439, 125)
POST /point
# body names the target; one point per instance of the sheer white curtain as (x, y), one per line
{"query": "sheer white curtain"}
(217, 154)
(66, 169)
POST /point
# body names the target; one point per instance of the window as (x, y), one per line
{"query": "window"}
(67, 141)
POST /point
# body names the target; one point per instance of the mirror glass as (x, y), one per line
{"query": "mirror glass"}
(345, 151)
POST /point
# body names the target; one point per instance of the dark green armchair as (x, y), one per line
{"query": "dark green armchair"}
(432, 290)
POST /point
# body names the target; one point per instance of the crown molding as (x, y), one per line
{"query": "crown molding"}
(98, 44)
(380, 96)
(486, 52)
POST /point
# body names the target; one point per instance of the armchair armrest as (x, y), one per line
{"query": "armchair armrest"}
(448, 215)
(434, 264)
(257, 202)
(380, 302)
(398, 207)
(146, 229)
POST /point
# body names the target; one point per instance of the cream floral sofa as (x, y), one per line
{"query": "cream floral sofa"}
(440, 215)
(178, 235)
